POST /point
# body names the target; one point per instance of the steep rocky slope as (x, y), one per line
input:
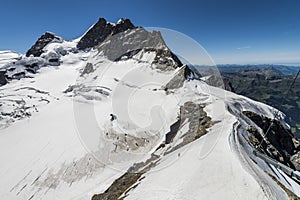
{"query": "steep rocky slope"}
(270, 87)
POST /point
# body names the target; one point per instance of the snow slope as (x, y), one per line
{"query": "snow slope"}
(59, 139)
(8, 56)
(43, 156)
(216, 166)
(216, 175)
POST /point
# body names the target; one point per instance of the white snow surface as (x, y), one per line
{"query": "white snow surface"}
(59, 152)
(8, 56)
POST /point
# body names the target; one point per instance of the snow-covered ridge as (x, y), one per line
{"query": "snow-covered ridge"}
(9, 56)
(112, 40)
(27, 66)
(101, 30)
(80, 125)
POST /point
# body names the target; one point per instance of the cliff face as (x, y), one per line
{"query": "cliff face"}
(283, 146)
(124, 108)
(3, 80)
(101, 30)
(269, 87)
(37, 49)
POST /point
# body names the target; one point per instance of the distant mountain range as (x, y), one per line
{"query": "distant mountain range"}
(268, 84)
(114, 114)
(281, 69)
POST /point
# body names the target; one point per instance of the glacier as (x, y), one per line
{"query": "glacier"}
(58, 138)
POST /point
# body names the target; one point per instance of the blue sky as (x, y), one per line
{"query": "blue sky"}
(231, 31)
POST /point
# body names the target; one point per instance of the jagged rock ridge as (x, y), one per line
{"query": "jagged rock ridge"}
(101, 30)
(283, 145)
(196, 106)
(117, 41)
(117, 45)
(37, 49)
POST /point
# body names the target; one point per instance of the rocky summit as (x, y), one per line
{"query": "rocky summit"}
(115, 114)
(101, 30)
(37, 49)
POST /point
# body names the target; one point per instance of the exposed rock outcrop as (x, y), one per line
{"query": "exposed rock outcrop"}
(122, 25)
(87, 69)
(131, 42)
(3, 80)
(228, 85)
(282, 143)
(185, 73)
(217, 81)
(101, 30)
(295, 159)
(124, 40)
(119, 188)
(198, 121)
(37, 49)
(166, 59)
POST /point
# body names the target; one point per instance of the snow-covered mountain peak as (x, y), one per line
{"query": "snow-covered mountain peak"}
(38, 48)
(122, 20)
(120, 39)
(101, 30)
(115, 41)
(115, 113)
(129, 42)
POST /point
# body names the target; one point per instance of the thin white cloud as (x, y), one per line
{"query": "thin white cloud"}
(245, 47)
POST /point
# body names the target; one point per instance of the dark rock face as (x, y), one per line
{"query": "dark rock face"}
(19, 75)
(101, 30)
(32, 68)
(87, 69)
(37, 49)
(127, 181)
(216, 81)
(178, 80)
(3, 80)
(188, 73)
(166, 59)
(295, 159)
(228, 85)
(269, 88)
(173, 131)
(220, 82)
(198, 120)
(53, 60)
(95, 35)
(283, 145)
(114, 47)
(123, 25)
